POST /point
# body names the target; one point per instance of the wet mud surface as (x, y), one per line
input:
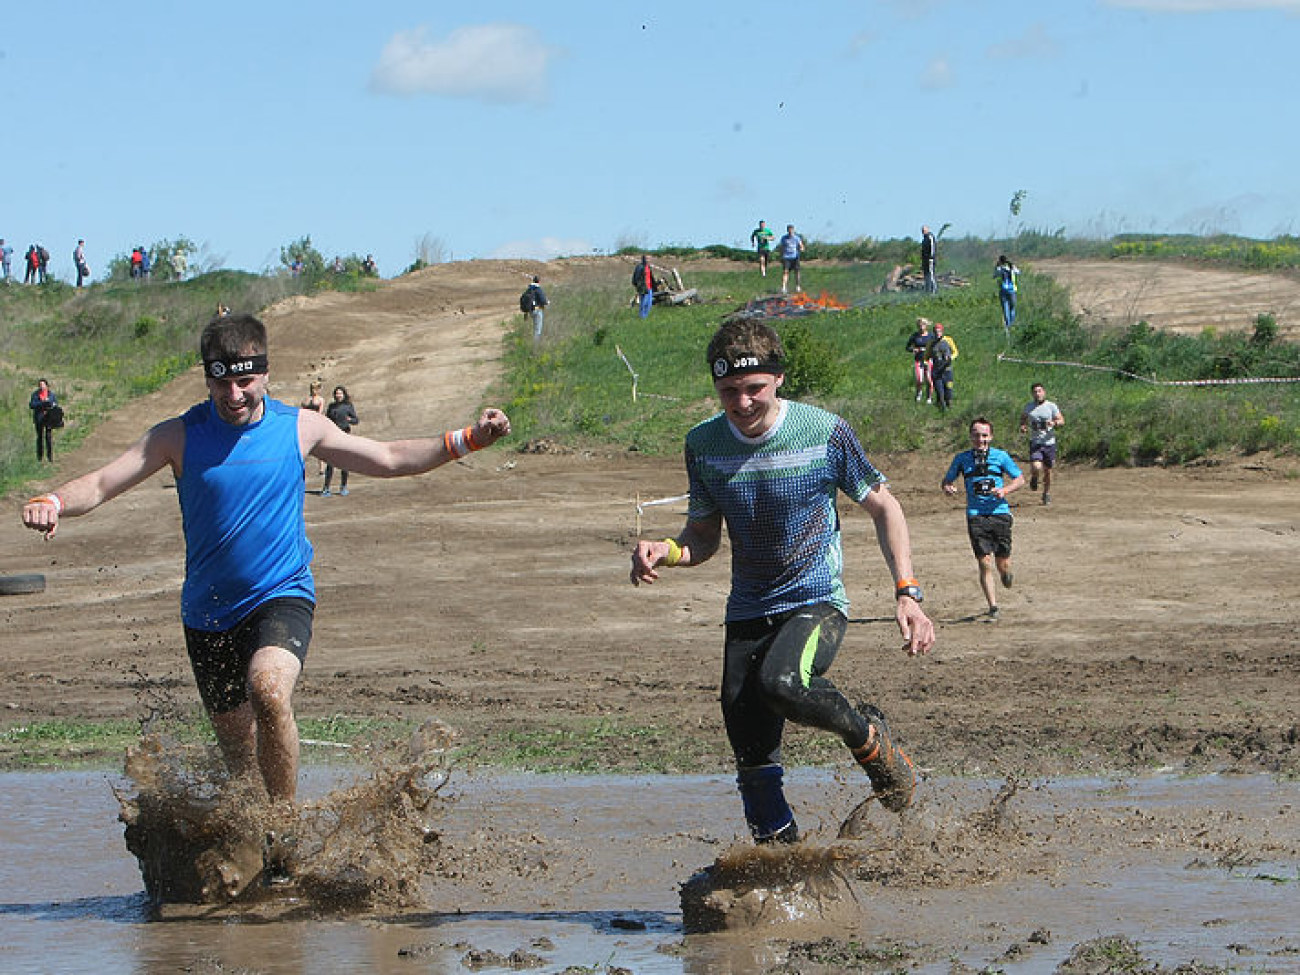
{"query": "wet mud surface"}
(555, 872)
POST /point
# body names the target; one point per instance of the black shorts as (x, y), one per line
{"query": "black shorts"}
(790, 263)
(990, 535)
(220, 658)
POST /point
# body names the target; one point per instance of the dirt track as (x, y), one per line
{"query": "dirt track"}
(1152, 622)
(1178, 298)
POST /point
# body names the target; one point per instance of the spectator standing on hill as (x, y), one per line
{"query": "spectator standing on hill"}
(533, 304)
(761, 237)
(248, 598)
(790, 247)
(42, 263)
(6, 259)
(771, 470)
(1007, 274)
(31, 265)
(1040, 419)
(315, 402)
(180, 264)
(643, 279)
(43, 404)
(919, 345)
(137, 262)
(943, 350)
(990, 475)
(146, 264)
(343, 415)
(929, 260)
(79, 261)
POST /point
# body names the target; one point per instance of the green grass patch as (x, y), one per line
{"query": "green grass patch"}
(604, 377)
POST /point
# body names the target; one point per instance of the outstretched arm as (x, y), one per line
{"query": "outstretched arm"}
(396, 458)
(696, 544)
(163, 444)
(896, 546)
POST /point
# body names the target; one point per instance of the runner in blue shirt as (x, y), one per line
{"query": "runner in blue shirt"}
(248, 598)
(771, 470)
(990, 475)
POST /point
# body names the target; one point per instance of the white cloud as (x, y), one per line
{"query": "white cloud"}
(544, 248)
(1035, 42)
(1206, 6)
(937, 75)
(491, 62)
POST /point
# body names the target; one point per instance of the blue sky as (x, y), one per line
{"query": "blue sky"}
(527, 129)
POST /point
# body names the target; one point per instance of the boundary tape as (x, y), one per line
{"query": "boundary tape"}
(1003, 357)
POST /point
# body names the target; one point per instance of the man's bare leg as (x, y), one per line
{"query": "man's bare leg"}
(272, 674)
(989, 581)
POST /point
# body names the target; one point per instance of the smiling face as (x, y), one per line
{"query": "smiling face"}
(239, 401)
(981, 436)
(750, 401)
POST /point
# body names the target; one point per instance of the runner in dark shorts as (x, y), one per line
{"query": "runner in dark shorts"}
(990, 535)
(990, 475)
(220, 658)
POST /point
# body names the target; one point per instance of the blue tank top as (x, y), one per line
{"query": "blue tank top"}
(241, 494)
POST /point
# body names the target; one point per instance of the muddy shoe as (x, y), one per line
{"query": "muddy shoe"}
(887, 766)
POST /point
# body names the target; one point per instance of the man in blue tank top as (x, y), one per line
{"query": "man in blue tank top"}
(248, 599)
(771, 470)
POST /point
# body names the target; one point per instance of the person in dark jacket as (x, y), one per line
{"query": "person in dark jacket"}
(643, 279)
(533, 303)
(929, 257)
(344, 416)
(44, 404)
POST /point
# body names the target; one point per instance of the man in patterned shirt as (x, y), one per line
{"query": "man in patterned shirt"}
(771, 470)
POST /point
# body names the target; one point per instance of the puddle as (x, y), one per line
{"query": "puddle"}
(584, 872)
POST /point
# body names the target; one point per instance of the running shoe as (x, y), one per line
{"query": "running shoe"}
(892, 775)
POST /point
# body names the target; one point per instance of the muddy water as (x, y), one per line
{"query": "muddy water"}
(585, 872)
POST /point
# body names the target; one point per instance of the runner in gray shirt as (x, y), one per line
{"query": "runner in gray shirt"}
(1040, 419)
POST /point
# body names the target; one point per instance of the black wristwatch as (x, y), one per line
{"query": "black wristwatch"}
(912, 590)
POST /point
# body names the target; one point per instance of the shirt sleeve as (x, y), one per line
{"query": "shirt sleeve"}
(855, 475)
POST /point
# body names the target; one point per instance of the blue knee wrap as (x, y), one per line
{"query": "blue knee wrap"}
(766, 810)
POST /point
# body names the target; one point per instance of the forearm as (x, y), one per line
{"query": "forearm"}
(892, 534)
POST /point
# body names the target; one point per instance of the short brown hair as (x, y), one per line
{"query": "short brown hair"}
(745, 336)
(232, 336)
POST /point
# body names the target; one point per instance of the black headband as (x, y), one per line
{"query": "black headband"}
(245, 365)
(745, 363)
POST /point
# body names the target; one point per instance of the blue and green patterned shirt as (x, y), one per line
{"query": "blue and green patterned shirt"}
(777, 495)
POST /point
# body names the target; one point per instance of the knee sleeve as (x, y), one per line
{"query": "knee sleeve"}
(766, 810)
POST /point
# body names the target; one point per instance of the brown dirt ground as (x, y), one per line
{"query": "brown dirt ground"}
(1152, 622)
(1176, 297)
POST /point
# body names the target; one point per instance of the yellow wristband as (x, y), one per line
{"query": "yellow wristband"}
(674, 553)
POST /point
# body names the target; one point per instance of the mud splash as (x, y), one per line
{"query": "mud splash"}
(809, 887)
(202, 837)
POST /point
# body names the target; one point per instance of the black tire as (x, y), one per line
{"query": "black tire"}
(21, 585)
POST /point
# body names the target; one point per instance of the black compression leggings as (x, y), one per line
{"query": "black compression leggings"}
(773, 670)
